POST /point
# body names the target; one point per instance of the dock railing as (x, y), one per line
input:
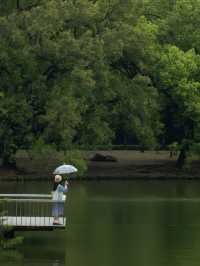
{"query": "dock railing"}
(29, 210)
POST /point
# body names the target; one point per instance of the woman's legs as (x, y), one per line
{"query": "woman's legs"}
(55, 213)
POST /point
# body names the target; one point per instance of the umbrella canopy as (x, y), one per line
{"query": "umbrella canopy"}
(65, 169)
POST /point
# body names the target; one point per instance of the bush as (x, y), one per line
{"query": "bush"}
(75, 158)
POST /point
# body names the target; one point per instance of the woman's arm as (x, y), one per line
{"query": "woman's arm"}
(62, 188)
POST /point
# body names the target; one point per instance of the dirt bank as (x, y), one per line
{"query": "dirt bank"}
(128, 165)
(140, 165)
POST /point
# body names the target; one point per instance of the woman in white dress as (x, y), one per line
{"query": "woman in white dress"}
(58, 198)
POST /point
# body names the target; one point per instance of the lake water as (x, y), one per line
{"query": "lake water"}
(116, 224)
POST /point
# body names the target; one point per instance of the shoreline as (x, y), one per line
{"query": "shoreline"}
(129, 165)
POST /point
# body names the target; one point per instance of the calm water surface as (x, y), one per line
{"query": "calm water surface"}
(116, 224)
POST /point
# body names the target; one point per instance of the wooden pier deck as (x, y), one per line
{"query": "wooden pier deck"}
(29, 212)
(33, 223)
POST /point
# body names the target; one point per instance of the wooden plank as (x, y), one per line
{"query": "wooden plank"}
(33, 222)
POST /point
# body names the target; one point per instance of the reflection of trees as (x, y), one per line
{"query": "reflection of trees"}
(113, 230)
(187, 189)
(57, 263)
(180, 231)
(10, 256)
(110, 232)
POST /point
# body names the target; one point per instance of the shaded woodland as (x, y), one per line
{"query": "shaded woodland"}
(81, 73)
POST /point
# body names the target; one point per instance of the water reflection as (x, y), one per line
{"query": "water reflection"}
(18, 258)
(56, 263)
(116, 223)
(11, 256)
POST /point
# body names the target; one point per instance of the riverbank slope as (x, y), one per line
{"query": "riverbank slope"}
(126, 165)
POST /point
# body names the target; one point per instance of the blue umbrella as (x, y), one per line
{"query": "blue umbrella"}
(65, 169)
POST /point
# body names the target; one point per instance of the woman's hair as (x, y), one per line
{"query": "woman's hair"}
(55, 185)
(57, 181)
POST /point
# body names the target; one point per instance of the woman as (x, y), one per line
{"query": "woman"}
(58, 190)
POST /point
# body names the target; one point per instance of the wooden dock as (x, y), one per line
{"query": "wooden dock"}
(32, 223)
(24, 212)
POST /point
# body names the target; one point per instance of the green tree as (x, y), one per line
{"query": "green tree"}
(176, 78)
(78, 73)
(181, 26)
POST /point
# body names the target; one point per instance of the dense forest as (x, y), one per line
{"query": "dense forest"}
(82, 73)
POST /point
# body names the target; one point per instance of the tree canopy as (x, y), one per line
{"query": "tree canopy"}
(84, 73)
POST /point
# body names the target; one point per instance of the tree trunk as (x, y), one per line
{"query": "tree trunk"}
(18, 6)
(181, 159)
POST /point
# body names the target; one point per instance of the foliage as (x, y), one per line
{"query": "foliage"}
(65, 84)
(40, 148)
(174, 147)
(75, 158)
(86, 73)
